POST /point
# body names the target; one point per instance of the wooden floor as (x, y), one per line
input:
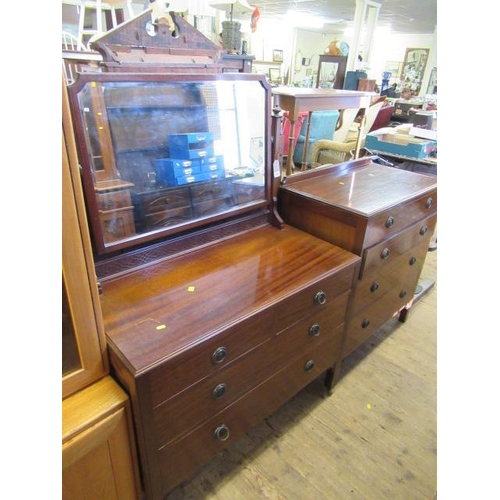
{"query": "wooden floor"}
(374, 438)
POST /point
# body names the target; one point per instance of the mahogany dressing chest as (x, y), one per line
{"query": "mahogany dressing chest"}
(215, 311)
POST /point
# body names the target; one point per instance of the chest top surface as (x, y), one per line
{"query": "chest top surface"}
(154, 313)
(364, 188)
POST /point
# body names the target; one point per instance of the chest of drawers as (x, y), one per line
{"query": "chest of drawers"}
(210, 342)
(384, 215)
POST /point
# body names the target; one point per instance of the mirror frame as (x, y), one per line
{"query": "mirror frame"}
(101, 247)
(414, 57)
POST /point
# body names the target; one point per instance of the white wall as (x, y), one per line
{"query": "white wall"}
(310, 43)
(391, 47)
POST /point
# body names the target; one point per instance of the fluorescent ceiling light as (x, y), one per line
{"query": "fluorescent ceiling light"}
(301, 20)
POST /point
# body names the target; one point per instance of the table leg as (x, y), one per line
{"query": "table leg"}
(360, 133)
(306, 143)
(289, 158)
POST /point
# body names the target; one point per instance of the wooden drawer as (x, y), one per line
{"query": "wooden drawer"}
(181, 458)
(312, 299)
(199, 362)
(245, 193)
(187, 368)
(117, 224)
(405, 269)
(210, 191)
(181, 413)
(208, 207)
(386, 253)
(366, 320)
(160, 201)
(392, 221)
(113, 199)
(168, 217)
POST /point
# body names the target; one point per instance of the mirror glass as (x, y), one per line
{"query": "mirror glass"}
(327, 75)
(162, 156)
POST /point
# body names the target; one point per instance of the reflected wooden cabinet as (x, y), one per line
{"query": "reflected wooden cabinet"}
(98, 450)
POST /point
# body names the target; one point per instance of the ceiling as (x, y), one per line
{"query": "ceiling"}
(402, 16)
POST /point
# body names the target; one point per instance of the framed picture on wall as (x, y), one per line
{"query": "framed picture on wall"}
(414, 68)
(277, 55)
(274, 74)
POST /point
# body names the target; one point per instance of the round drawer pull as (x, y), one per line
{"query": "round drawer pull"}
(320, 298)
(219, 354)
(385, 254)
(389, 222)
(429, 202)
(423, 230)
(375, 286)
(402, 294)
(309, 365)
(222, 433)
(315, 330)
(219, 391)
(412, 261)
(365, 323)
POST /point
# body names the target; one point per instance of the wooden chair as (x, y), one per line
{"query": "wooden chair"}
(70, 43)
(322, 126)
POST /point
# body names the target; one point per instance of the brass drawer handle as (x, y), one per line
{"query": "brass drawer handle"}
(219, 354)
(219, 391)
(315, 330)
(423, 230)
(429, 202)
(309, 365)
(385, 254)
(320, 298)
(365, 323)
(375, 286)
(389, 222)
(222, 432)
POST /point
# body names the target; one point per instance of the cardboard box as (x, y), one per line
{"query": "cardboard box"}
(400, 144)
